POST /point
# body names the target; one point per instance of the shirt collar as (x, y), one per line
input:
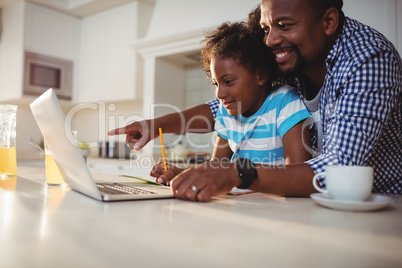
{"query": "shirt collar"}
(339, 42)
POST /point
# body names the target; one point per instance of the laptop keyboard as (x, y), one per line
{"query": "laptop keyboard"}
(117, 188)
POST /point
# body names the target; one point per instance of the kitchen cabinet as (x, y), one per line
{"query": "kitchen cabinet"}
(32, 28)
(51, 33)
(109, 67)
(99, 46)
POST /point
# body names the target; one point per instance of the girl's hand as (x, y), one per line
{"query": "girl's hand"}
(138, 134)
(163, 176)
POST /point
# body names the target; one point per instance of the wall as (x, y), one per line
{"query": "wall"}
(173, 17)
(199, 89)
(169, 95)
(382, 16)
(12, 51)
(399, 25)
(51, 33)
(170, 85)
(109, 73)
(106, 58)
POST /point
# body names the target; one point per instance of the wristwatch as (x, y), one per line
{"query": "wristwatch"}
(247, 172)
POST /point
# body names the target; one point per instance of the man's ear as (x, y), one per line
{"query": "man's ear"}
(331, 21)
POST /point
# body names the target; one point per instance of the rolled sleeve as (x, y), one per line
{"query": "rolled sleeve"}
(213, 105)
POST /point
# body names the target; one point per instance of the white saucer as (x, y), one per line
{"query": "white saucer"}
(375, 202)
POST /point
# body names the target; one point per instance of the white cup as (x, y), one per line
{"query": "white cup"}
(351, 183)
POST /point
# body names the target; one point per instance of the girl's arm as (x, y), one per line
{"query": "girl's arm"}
(222, 150)
(295, 142)
(198, 119)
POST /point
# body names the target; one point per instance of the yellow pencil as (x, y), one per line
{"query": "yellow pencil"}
(163, 150)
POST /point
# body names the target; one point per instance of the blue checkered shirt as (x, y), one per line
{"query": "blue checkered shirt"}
(360, 106)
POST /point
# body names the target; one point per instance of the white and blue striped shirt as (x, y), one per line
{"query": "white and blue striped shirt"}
(259, 137)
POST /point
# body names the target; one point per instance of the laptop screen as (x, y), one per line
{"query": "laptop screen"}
(57, 134)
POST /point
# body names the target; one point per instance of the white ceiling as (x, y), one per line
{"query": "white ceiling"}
(80, 8)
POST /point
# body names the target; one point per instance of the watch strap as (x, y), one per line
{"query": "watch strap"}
(247, 172)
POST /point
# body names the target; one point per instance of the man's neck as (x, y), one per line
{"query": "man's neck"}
(313, 78)
(313, 81)
(310, 88)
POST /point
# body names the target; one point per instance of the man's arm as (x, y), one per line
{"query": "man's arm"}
(198, 119)
(355, 119)
(219, 177)
(221, 149)
(213, 179)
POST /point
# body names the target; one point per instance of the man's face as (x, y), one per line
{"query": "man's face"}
(295, 35)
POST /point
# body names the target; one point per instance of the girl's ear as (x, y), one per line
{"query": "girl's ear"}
(262, 80)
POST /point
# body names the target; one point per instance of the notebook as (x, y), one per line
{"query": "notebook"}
(53, 125)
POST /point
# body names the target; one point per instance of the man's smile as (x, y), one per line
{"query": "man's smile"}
(283, 55)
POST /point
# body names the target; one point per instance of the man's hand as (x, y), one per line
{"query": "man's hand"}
(138, 134)
(206, 180)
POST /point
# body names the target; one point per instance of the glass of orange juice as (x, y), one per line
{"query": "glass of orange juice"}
(8, 155)
(53, 174)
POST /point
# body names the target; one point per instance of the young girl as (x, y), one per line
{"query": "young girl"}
(254, 120)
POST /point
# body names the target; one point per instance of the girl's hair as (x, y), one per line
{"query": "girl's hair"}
(240, 43)
(253, 23)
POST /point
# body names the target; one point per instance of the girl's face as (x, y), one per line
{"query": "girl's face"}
(239, 91)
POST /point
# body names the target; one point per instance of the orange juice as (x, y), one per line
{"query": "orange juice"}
(53, 174)
(8, 161)
(8, 183)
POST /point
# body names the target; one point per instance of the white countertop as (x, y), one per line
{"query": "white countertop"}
(43, 226)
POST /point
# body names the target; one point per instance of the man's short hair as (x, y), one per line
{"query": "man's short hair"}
(321, 6)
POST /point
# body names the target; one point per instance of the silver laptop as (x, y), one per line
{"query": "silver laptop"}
(51, 121)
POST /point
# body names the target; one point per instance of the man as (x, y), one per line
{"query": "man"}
(350, 78)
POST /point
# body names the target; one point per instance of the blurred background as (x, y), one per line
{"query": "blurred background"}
(127, 59)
